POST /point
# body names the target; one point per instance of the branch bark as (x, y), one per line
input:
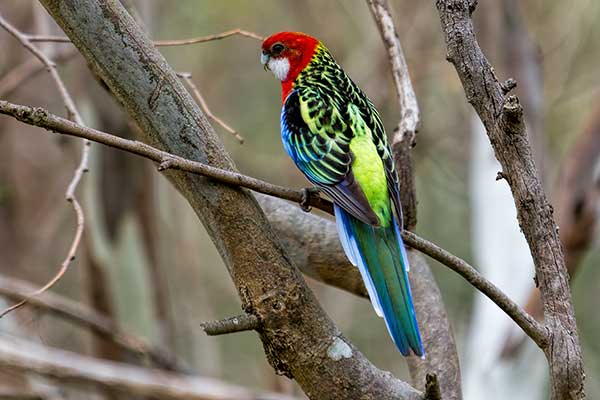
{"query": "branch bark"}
(21, 355)
(296, 333)
(503, 119)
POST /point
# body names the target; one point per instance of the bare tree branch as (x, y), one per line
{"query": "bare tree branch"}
(73, 115)
(529, 325)
(99, 324)
(503, 119)
(405, 133)
(68, 367)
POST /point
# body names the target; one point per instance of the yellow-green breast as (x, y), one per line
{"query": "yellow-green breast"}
(369, 172)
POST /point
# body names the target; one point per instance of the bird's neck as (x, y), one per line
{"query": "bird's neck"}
(298, 65)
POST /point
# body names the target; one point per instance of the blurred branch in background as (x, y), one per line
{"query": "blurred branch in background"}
(187, 77)
(22, 355)
(13, 79)
(72, 114)
(503, 119)
(438, 340)
(99, 324)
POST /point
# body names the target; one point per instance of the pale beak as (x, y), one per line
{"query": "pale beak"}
(264, 59)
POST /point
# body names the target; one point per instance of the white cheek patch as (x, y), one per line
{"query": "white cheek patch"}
(279, 67)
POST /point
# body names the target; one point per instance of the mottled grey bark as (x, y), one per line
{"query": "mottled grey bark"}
(297, 335)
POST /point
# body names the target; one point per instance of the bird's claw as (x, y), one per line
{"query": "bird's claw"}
(307, 195)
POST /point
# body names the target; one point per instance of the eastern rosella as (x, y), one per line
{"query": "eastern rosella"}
(335, 136)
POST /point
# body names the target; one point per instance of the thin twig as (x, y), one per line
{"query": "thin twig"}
(73, 115)
(187, 77)
(158, 43)
(530, 326)
(209, 38)
(87, 317)
(42, 118)
(407, 100)
(244, 322)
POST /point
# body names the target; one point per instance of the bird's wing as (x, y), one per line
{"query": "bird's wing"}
(316, 135)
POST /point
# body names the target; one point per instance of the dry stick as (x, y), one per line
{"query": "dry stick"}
(87, 317)
(244, 322)
(163, 43)
(529, 325)
(404, 136)
(187, 78)
(504, 122)
(81, 168)
(42, 118)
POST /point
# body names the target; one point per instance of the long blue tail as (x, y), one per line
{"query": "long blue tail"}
(381, 258)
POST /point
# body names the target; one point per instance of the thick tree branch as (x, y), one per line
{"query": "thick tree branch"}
(296, 333)
(99, 324)
(320, 269)
(503, 119)
(20, 355)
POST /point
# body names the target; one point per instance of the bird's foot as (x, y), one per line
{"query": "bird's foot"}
(307, 195)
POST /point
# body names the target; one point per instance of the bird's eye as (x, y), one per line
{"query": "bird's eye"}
(277, 48)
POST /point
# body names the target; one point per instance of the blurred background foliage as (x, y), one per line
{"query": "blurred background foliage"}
(147, 259)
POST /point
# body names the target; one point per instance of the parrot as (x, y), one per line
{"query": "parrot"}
(334, 135)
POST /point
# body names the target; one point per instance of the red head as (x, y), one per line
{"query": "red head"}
(286, 54)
